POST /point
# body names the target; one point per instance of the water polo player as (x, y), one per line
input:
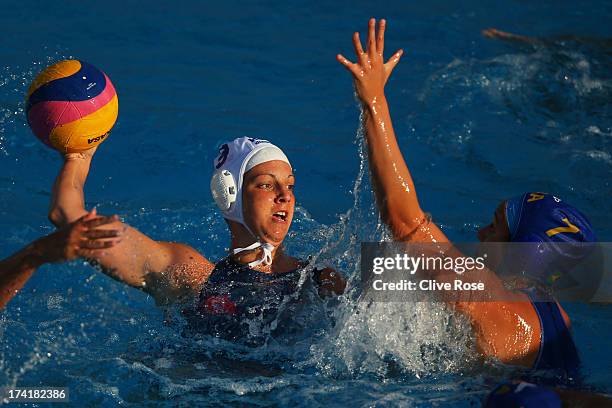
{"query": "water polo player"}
(253, 186)
(533, 334)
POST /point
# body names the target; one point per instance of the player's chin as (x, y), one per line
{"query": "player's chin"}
(276, 234)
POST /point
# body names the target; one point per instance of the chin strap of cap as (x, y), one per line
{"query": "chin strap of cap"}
(266, 257)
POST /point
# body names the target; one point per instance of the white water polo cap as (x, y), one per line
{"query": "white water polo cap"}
(236, 158)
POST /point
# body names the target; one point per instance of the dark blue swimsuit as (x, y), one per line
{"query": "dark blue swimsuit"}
(557, 348)
(236, 289)
(235, 299)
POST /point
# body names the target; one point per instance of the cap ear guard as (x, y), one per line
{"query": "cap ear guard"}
(223, 188)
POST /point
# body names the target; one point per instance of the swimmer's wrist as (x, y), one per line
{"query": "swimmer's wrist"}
(76, 157)
(84, 155)
(35, 254)
(374, 101)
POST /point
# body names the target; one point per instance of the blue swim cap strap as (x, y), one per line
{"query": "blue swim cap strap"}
(514, 209)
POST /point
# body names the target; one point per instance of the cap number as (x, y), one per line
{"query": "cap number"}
(570, 228)
(223, 152)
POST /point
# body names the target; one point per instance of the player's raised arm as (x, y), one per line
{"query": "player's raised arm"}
(163, 269)
(395, 192)
(72, 106)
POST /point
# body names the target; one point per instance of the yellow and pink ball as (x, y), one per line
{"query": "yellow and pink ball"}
(71, 106)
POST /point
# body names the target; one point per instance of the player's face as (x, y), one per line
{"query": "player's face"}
(268, 201)
(497, 230)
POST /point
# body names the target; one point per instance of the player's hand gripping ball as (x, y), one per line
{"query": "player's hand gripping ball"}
(71, 106)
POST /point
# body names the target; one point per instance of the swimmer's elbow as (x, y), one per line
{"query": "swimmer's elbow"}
(402, 219)
(404, 229)
(60, 217)
(57, 217)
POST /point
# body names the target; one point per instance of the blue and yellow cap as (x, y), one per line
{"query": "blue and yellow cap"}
(541, 217)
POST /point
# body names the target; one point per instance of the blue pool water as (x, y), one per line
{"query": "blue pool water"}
(478, 121)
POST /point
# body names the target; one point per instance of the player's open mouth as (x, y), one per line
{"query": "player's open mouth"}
(280, 216)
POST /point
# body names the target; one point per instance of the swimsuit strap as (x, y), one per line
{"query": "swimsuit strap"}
(557, 348)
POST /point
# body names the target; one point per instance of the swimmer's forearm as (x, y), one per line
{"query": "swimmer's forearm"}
(393, 183)
(17, 269)
(68, 202)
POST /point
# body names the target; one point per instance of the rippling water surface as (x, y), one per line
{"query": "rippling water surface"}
(478, 121)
